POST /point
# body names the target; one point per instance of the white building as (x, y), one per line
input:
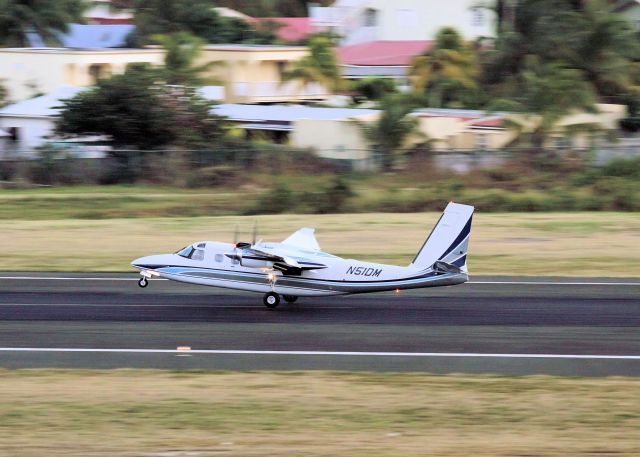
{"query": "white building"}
(361, 21)
(30, 122)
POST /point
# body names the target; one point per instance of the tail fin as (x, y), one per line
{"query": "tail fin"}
(449, 239)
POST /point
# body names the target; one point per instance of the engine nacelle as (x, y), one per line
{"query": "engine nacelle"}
(253, 263)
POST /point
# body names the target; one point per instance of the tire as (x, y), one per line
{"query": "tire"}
(143, 282)
(271, 300)
(290, 298)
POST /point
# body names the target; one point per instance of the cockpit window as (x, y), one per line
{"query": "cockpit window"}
(192, 253)
(186, 252)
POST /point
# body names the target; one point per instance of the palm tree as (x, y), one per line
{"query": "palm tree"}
(320, 66)
(182, 51)
(580, 34)
(447, 72)
(393, 130)
(608, 45)
(549, 93)
(46, 17)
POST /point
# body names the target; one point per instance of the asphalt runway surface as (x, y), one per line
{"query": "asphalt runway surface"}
(509, 326)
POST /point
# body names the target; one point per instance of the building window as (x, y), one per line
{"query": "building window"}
(281, 68)
(370, 17)
(477, 17)
(562, 142)
(481, 142)
(99, 71)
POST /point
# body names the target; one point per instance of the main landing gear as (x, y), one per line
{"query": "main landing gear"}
(272, 299)
(143, 282)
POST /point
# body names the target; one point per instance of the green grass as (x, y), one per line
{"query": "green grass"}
(142, 412)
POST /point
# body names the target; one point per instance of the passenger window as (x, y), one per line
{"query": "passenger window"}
(219, 258)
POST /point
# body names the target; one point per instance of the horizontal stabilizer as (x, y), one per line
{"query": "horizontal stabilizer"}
(303, 239)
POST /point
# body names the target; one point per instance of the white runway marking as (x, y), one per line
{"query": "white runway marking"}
(555, 283)
(105, 305)
(531, 283)
(330, 353)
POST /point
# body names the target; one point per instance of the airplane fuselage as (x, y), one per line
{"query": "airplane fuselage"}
(217, 267)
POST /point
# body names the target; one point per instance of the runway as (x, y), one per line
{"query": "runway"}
(558, 326)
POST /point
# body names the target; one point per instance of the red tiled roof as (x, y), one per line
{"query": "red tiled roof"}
(293, 28)
(495, 122)
(109, 21)
(382, 53)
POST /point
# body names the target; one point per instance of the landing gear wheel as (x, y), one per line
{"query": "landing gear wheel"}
(290, 298)
(143, 282)
(271, 300)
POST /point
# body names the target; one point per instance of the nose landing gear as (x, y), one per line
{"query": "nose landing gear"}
(143, 282)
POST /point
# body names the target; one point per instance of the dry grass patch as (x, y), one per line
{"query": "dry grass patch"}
(577, 244)
(126, 412)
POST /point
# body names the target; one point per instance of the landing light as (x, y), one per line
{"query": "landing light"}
(397, 291)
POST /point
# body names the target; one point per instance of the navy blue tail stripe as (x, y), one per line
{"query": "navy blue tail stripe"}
(463, 234)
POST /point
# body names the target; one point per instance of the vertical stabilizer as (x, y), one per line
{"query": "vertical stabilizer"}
(449, 239)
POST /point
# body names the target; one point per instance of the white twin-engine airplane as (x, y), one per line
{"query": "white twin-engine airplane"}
(297, 267)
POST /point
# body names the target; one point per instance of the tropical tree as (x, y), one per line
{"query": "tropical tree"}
(272, 8)
(579, 34)
(320, 66)
(46, 17)
(549, 93)
(197, 17)
(448, 72)
(182, 50)
(605, 45)
(374, 88)
(135, 111)
(392, 131)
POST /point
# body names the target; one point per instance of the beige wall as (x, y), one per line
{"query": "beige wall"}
(253, 74)
(48, 69)
(333, 139)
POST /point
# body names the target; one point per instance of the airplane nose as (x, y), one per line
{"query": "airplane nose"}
(138, 263)
(150, 262)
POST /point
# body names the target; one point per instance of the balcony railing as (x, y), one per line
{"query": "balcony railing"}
(277, 90)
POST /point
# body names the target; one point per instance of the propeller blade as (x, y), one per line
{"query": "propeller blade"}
(235, 235)
(255, 232)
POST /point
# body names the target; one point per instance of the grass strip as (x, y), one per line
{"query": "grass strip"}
(144, 412)
(555, 244)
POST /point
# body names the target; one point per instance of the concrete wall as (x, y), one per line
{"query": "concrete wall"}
(48, 69)
(333, 139)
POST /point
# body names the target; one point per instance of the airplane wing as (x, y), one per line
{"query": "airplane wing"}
(303, 239)
(281, 262)
(288, 264)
